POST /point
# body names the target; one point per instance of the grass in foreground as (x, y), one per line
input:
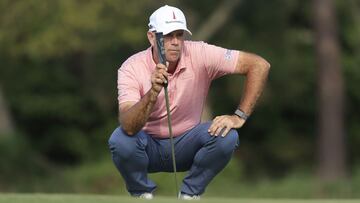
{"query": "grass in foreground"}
(77, 198)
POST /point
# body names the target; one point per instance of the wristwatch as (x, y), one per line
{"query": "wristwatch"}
(241, 114)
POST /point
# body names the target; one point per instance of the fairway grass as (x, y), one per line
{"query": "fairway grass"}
(77, 198)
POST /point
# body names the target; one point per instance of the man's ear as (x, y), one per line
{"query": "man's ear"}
(151, 38)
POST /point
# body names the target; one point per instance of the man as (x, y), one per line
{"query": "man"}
(141, 145)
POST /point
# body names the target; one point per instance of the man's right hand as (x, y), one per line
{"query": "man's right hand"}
(159, 77)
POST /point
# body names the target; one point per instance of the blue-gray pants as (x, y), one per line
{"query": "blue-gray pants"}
(203, 155)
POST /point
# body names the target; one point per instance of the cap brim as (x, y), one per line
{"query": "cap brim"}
(188, 31)
(172, 29)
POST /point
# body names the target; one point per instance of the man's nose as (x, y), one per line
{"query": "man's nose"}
(174, 40)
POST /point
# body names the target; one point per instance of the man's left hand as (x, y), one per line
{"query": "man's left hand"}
(225, 123)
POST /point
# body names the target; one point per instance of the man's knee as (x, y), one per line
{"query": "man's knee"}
(229, 143)
(121, 145)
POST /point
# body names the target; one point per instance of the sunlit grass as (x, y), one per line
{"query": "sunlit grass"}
(83, 198)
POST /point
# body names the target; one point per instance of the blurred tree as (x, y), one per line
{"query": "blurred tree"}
(331, 137)
(6, 125)
(64, 56)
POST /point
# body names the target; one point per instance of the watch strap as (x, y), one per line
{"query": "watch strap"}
(241, 114)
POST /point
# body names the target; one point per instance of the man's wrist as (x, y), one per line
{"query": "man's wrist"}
(241, 114)
(153, 95)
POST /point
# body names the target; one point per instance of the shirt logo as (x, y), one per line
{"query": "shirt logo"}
(228, 54)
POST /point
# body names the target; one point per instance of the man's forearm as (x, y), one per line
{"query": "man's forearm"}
(254, 85)
(134, 119)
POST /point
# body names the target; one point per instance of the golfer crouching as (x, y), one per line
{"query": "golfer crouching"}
(141, 144)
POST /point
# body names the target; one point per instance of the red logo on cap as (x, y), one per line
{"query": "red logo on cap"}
(174, 17)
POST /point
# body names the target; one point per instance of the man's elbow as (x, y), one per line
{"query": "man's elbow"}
(260, 67)
(264, 65)
(128, 130)
(126, 127)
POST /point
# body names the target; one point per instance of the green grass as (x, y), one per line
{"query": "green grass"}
(67, 198)
(101, 177)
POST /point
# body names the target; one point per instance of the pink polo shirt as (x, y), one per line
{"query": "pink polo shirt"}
(200, 63)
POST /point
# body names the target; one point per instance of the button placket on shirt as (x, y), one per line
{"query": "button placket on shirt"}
(174, 86)
(171, 87)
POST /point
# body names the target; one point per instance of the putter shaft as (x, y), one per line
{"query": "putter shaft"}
(162, 58)
(171, 138)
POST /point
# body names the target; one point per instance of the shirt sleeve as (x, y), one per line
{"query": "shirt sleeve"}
(219, 61)
(128, 86)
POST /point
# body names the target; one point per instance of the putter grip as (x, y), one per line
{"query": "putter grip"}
(161, 50)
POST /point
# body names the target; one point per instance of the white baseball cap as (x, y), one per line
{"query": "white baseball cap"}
(167, 19)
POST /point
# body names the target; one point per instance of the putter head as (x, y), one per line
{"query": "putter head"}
(161, 50)
(160, 45)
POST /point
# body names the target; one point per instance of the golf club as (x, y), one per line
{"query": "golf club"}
(162, 58)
